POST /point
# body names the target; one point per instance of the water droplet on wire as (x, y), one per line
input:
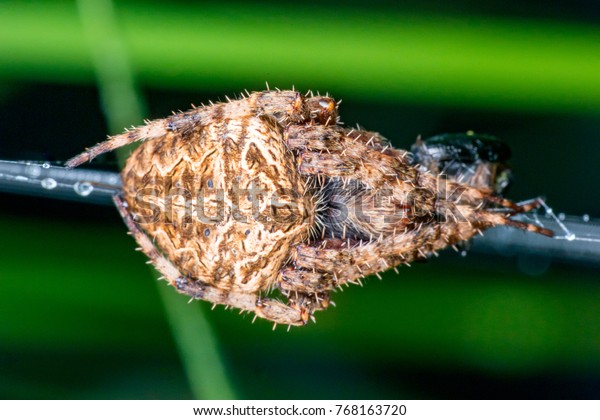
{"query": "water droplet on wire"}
(83, 188)
(49, 183)
(33, 171)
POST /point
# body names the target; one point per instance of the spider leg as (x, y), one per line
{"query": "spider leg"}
(152, 129)
(513, 207)
(485, 219)
(346, 153)
(270, 309)
(329, 264)
(347, 261)
(308, 282)
(306, 291)
(471, 207)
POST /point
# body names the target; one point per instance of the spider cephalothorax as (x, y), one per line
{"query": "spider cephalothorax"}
(268, 203)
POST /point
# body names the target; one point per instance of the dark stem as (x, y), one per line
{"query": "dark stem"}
(577, 239)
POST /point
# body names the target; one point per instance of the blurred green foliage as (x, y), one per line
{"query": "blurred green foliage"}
(374, 54)
(80, 315)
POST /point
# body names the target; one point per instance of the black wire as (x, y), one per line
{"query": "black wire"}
(45, 180)
(580, 243)
(577, 238)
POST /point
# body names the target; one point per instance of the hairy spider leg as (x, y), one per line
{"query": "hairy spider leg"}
(153, 129)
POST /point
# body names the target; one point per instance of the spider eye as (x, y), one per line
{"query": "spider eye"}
(323, 110)
(327, 104)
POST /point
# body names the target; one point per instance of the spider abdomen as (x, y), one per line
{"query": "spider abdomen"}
(224, 204)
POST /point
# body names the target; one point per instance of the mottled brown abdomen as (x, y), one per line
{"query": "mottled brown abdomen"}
(225, 205)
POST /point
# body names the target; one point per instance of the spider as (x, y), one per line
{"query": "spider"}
(268, 203)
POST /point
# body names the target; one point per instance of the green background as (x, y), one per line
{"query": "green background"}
(81, 316)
